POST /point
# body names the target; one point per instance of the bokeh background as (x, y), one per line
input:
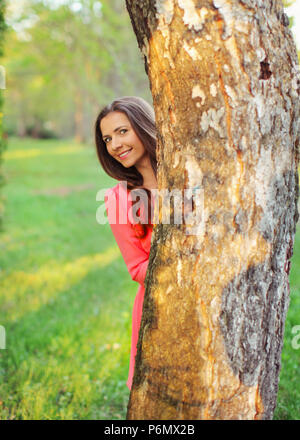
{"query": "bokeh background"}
(66, 296)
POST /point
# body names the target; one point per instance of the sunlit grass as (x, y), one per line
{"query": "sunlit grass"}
(28, 291)
(66, 297)
(33, 152)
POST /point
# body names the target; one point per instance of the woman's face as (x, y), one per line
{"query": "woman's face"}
(119, 137)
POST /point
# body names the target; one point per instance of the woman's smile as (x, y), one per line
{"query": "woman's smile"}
(124, 154)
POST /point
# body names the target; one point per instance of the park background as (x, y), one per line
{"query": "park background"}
(66, 295)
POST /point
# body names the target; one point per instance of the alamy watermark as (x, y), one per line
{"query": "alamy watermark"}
(188, 207)
(2, 338)
(296, 338)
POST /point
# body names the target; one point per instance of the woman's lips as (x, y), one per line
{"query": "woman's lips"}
(125, 155)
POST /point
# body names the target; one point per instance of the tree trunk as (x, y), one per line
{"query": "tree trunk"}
(223, 75)
(21, 120)
(78, 117)
(37, 127)
(21, 127)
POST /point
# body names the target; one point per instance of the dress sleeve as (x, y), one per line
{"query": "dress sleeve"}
(134, 255)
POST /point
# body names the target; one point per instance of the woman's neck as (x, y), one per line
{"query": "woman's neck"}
(149, 179)
(150, 185)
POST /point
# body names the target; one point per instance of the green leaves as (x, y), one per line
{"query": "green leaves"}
(65, 58)
(3, 72)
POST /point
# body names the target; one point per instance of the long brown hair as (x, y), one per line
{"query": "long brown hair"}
(142, 118)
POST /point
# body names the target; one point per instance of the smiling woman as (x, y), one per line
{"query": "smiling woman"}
(128, 123)
(123, 144)
(125, 136)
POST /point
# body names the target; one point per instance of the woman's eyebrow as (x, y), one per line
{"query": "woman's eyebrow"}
(116, 129)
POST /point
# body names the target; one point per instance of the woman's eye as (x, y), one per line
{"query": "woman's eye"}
(122, 131)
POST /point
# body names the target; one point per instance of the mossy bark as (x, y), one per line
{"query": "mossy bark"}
(224, 80)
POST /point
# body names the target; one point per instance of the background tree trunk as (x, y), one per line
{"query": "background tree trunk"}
(78, 117)
(223, 75)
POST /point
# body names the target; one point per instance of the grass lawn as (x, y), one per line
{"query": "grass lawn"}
(66, 314)
(66, 296)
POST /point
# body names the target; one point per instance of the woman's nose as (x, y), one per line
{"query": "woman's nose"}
(115, 143)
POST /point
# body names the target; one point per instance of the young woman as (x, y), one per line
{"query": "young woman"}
(125, 136)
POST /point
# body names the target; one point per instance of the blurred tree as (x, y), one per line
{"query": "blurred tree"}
(287, 3)
(68, 60)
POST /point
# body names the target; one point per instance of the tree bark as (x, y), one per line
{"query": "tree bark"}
(224, 80)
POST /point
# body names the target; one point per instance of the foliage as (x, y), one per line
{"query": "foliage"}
(3, 144)
(72, 61)
(287, 3)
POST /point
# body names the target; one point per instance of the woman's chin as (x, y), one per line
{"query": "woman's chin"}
(125, 165)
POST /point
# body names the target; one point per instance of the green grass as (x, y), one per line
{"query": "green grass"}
(66, 296)
(288, 400)
(66, 314)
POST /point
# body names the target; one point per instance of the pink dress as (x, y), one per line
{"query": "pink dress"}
(135, 252)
